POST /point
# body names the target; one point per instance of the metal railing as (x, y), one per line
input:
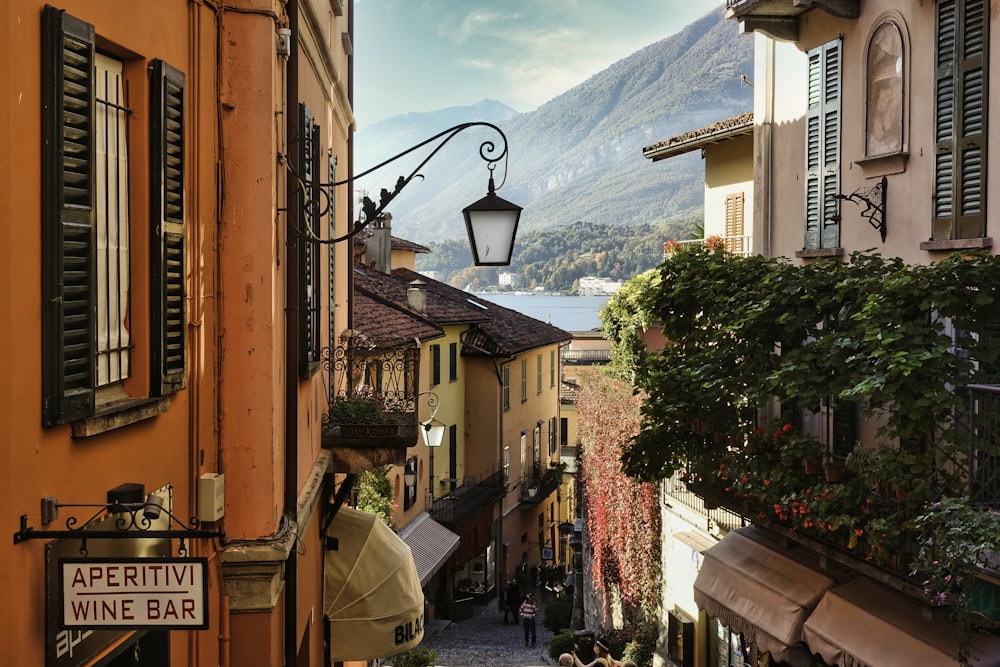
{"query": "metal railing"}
(467, 500)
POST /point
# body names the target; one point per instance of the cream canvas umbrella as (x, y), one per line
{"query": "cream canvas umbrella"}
(373, 601)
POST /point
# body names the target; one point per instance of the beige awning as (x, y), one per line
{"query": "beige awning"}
(372, 602)
(760, 593)
(431, 544)
(863, 624)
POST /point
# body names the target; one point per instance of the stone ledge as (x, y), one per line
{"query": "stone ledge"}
(253, 571)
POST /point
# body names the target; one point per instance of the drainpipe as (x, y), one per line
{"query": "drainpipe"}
(293, 140)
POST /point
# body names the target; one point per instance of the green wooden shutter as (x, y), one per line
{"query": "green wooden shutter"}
(166, 154)
(68, 274)
(823, 146)
(435, 364)
(960, 120)
(308, 227)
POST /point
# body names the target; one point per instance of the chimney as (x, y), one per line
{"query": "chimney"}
(416, 296)
(378, 246)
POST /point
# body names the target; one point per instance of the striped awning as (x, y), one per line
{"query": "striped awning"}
(431, 545)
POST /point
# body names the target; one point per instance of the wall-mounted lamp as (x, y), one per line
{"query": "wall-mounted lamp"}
(432, 434)
(875, 201)
(490, 222)
(409, 478)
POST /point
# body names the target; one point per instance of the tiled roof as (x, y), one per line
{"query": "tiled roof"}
(397, 244)
(569, 392)
(509, 331)
(497, 331)
(392, 289)
(695, 139)
(386, 321)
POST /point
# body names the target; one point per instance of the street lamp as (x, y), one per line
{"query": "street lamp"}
(432, 433)
(490, 222)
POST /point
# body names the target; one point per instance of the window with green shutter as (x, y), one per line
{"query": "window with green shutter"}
(309, 252)
(167, 208)
(959, 195)
(88, 227)
(823, 146)
(435, 365)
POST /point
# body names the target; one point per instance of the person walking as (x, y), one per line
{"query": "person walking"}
(528, 610)
(511, 600)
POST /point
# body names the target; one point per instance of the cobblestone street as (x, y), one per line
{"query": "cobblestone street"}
(485, 641)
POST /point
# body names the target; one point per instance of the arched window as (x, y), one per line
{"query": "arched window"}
(884, 118)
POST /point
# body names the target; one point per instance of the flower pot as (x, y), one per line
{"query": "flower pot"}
(834, 470)
(812, 467)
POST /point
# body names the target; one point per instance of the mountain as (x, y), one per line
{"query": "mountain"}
(579, 156)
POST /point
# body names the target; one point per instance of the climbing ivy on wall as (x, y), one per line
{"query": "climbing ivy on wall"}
(623, 515)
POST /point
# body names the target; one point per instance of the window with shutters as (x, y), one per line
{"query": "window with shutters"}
(89, 228)
(524, 380)
(453, 362)
(823, 147)
(435, 365)
(538, 375)
(309, 252)
(734, 223)
(505, 387)
(959, 195)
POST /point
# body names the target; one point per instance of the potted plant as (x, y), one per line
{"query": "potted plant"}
(906, 472)
(800, 449)
(834, 468)
(362, 406)
(360, 419)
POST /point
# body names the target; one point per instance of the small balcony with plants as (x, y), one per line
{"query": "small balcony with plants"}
(844, 405)
(536, 486)
(372, 398)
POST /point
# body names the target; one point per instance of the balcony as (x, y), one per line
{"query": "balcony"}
(467, 500)
(372, 399)
(585, 357)
(537, 487)
(740, 244)
(780, 18)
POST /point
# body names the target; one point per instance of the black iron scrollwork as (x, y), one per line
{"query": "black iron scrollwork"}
(874, 199)
(128, 521)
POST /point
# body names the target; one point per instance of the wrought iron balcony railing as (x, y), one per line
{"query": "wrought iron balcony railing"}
(467, 500)
(537, 487)
(372, 394)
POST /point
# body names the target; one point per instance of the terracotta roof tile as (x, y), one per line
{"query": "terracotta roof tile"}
(497, 331)
(689, 141)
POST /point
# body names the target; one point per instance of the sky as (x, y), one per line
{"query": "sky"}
(423, 55)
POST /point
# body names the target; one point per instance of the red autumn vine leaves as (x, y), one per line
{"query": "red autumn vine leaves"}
(623, 516)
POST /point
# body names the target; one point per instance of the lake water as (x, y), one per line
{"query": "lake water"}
(572, 313)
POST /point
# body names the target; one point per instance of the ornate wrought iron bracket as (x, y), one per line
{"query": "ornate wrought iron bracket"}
(875, 201)
(488, 151)
(129, 520)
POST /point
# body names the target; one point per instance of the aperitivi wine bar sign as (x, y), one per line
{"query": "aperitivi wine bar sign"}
(134, 593)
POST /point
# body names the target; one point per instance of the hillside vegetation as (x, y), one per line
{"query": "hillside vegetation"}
(555, 259)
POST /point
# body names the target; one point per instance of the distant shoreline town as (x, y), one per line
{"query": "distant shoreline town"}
(588, 286)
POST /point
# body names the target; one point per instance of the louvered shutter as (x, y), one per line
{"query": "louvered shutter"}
(960, 120)
(308, 227)
(166, 156)
(823, 146)
(67, 218)
(734, 223)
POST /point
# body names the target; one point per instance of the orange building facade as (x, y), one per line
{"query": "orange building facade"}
(165, 314)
